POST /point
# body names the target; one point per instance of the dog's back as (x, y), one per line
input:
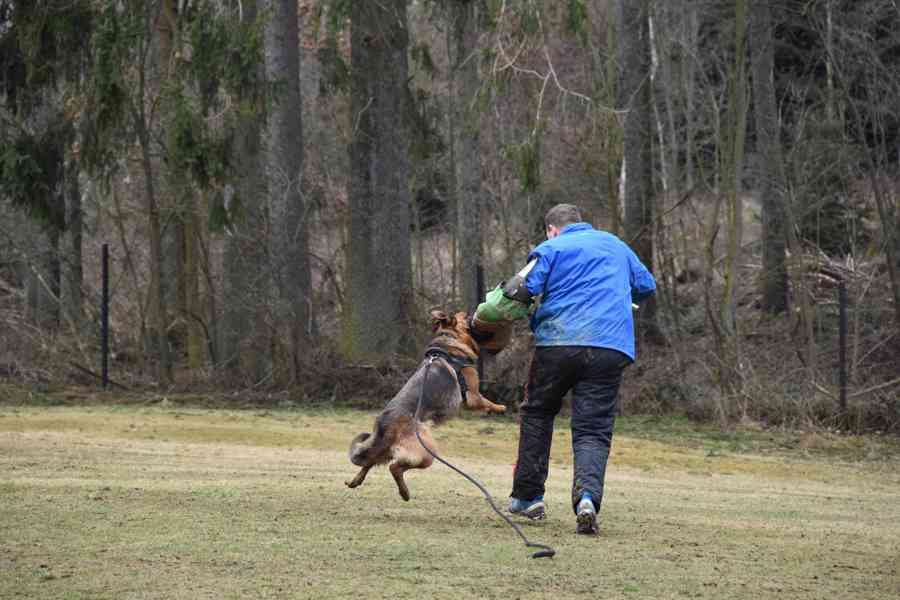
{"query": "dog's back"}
(440, 397)
(434, 384)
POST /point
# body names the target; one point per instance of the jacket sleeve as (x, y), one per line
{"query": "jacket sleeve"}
(537, 278)
(643, 285)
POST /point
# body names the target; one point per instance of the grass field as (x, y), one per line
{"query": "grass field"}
(168, 502)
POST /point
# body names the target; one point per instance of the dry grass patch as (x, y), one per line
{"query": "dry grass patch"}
(130, 502)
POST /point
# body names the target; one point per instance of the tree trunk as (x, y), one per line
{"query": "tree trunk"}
(42, 283)
(192, 305)
(633, 52)
(173, 195)
(774, 275)
(211, 308)
(289, 252)
(663, 94)
(145, 337)
(604, 122)
(466, 23)
(70, 250)
(731, 168)
(735, 135)
(158, 312)
(379, 311)
(245, 347)
(830, 107)
(612, 143)
(885, 205)
(691, 33)
(896, 284)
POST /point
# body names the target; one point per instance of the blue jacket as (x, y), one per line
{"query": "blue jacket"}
(588, 279)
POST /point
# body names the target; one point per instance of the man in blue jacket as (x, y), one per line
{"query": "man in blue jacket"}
(584, 339)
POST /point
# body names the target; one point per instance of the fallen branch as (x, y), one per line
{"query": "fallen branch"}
(824, 390)
(91, 373)
(875, 387)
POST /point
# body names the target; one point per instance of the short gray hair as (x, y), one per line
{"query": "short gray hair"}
(562, 215)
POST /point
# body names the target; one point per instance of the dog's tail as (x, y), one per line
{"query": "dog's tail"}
(359, 449)
(367, 448)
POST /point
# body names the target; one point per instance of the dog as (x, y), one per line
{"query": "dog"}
(448, 368)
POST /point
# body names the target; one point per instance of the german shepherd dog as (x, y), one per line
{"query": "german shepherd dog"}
(449, 362)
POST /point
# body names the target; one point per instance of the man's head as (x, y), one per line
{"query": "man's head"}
(559, 216)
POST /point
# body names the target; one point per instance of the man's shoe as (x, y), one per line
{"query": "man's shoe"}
(530, 509)
(586, 520)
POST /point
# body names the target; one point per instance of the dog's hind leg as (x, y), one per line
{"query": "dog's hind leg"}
(409, 454)
(397, 470)
(360, 477)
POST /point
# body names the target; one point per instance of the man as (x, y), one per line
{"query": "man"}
(584, 339)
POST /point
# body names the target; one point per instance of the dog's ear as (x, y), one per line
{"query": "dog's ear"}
(440, 319)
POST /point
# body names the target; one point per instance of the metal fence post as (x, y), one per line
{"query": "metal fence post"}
(104, 318)
(842, 341)
(479, 297)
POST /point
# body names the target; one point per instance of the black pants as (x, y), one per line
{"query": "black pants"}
(593, 375)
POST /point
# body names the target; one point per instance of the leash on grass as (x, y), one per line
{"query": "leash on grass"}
(546, 551)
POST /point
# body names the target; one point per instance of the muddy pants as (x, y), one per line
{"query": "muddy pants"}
(593, 375)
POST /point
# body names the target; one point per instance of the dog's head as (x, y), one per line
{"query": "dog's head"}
(455, 326)
(478, 336)
(441, 321)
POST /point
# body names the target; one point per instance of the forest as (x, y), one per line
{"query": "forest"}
(285, 188)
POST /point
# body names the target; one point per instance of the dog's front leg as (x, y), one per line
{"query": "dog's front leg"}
(360, 477)
(474, 399)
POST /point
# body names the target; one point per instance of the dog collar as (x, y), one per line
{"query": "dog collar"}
(456, 362)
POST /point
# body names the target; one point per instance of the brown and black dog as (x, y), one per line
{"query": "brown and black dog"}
(449, 359)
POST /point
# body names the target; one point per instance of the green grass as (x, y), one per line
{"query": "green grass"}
(150, 502)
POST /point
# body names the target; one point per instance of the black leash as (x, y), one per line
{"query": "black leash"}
(546, 551)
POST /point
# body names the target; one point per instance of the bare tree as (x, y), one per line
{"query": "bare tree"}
(245, 329)
(634, 93)
(377, 317)
(722, 311)
(70, 249)
(288, 246)
(467, 18)
(774, 277)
